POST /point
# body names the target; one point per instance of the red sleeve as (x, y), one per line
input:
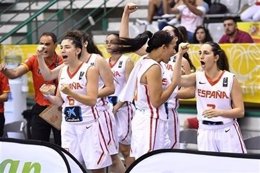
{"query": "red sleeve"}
(222, 39)
(60, 59)
(4, 83)
(30, 61)
(248, 39)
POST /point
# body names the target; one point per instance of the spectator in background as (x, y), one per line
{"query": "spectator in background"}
(233, 34)
(159, 8)
(252, 13)
(201, 35)
(4, 90)
(155, 8)
(192, 14)
(184, 33)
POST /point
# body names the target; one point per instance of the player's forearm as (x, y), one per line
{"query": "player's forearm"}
(84, 99)
(124, 24)
(233, 113)
(177, 69)
(186, 93)
(46, 73)
(56, 100)
(3, 97)
(194, 10)
(106, 91)
(10, 73)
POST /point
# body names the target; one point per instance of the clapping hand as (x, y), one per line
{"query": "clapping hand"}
(65, 89)
(48, 89)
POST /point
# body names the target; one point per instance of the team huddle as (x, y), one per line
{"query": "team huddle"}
(112, 106)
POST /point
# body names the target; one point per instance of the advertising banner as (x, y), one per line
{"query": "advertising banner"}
(21, 156)
(244, 62)
(253, 28)
(187, 161)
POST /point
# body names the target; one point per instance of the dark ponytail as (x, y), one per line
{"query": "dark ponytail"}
(158, 39)
(126, 45)
(222, 62)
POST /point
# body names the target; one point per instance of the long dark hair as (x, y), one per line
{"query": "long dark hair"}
(222, 62)
(126, 45)
(180, 40)
(75, 37)
(207, 35)
(91, 46)
(158, 39)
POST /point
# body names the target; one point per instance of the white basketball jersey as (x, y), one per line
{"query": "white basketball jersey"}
(104, 100)
(167, 79)
(142, 95)
(118, 70)
(77, 82)
(215, 94)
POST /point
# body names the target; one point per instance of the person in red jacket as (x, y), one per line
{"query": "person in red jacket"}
(4, 90)
(40, 128)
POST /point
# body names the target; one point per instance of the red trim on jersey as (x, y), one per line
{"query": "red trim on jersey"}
(107, 123)
(129, 115)
(93, 112)
(151, 134)
(235, 124)
(111, 128)
(102, 154)
(103, 101)
(89, 58)
(155, 132)
(148, 100)
(175, 127)
(112, 65)
(73, 74)
(212, 81)
(104, 141)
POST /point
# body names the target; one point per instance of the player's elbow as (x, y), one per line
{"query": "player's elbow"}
(47, 77)
(5, 99)
(111, 89)
(156, 104)
(241, 113)
(92, 102)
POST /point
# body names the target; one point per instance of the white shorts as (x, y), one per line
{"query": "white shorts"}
(86, 143)
(109, 129)
(124, 117)
(221, 138)
(148, 134)
(173, 129)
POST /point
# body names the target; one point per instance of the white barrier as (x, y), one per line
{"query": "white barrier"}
(184, 161)
(18, 156)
